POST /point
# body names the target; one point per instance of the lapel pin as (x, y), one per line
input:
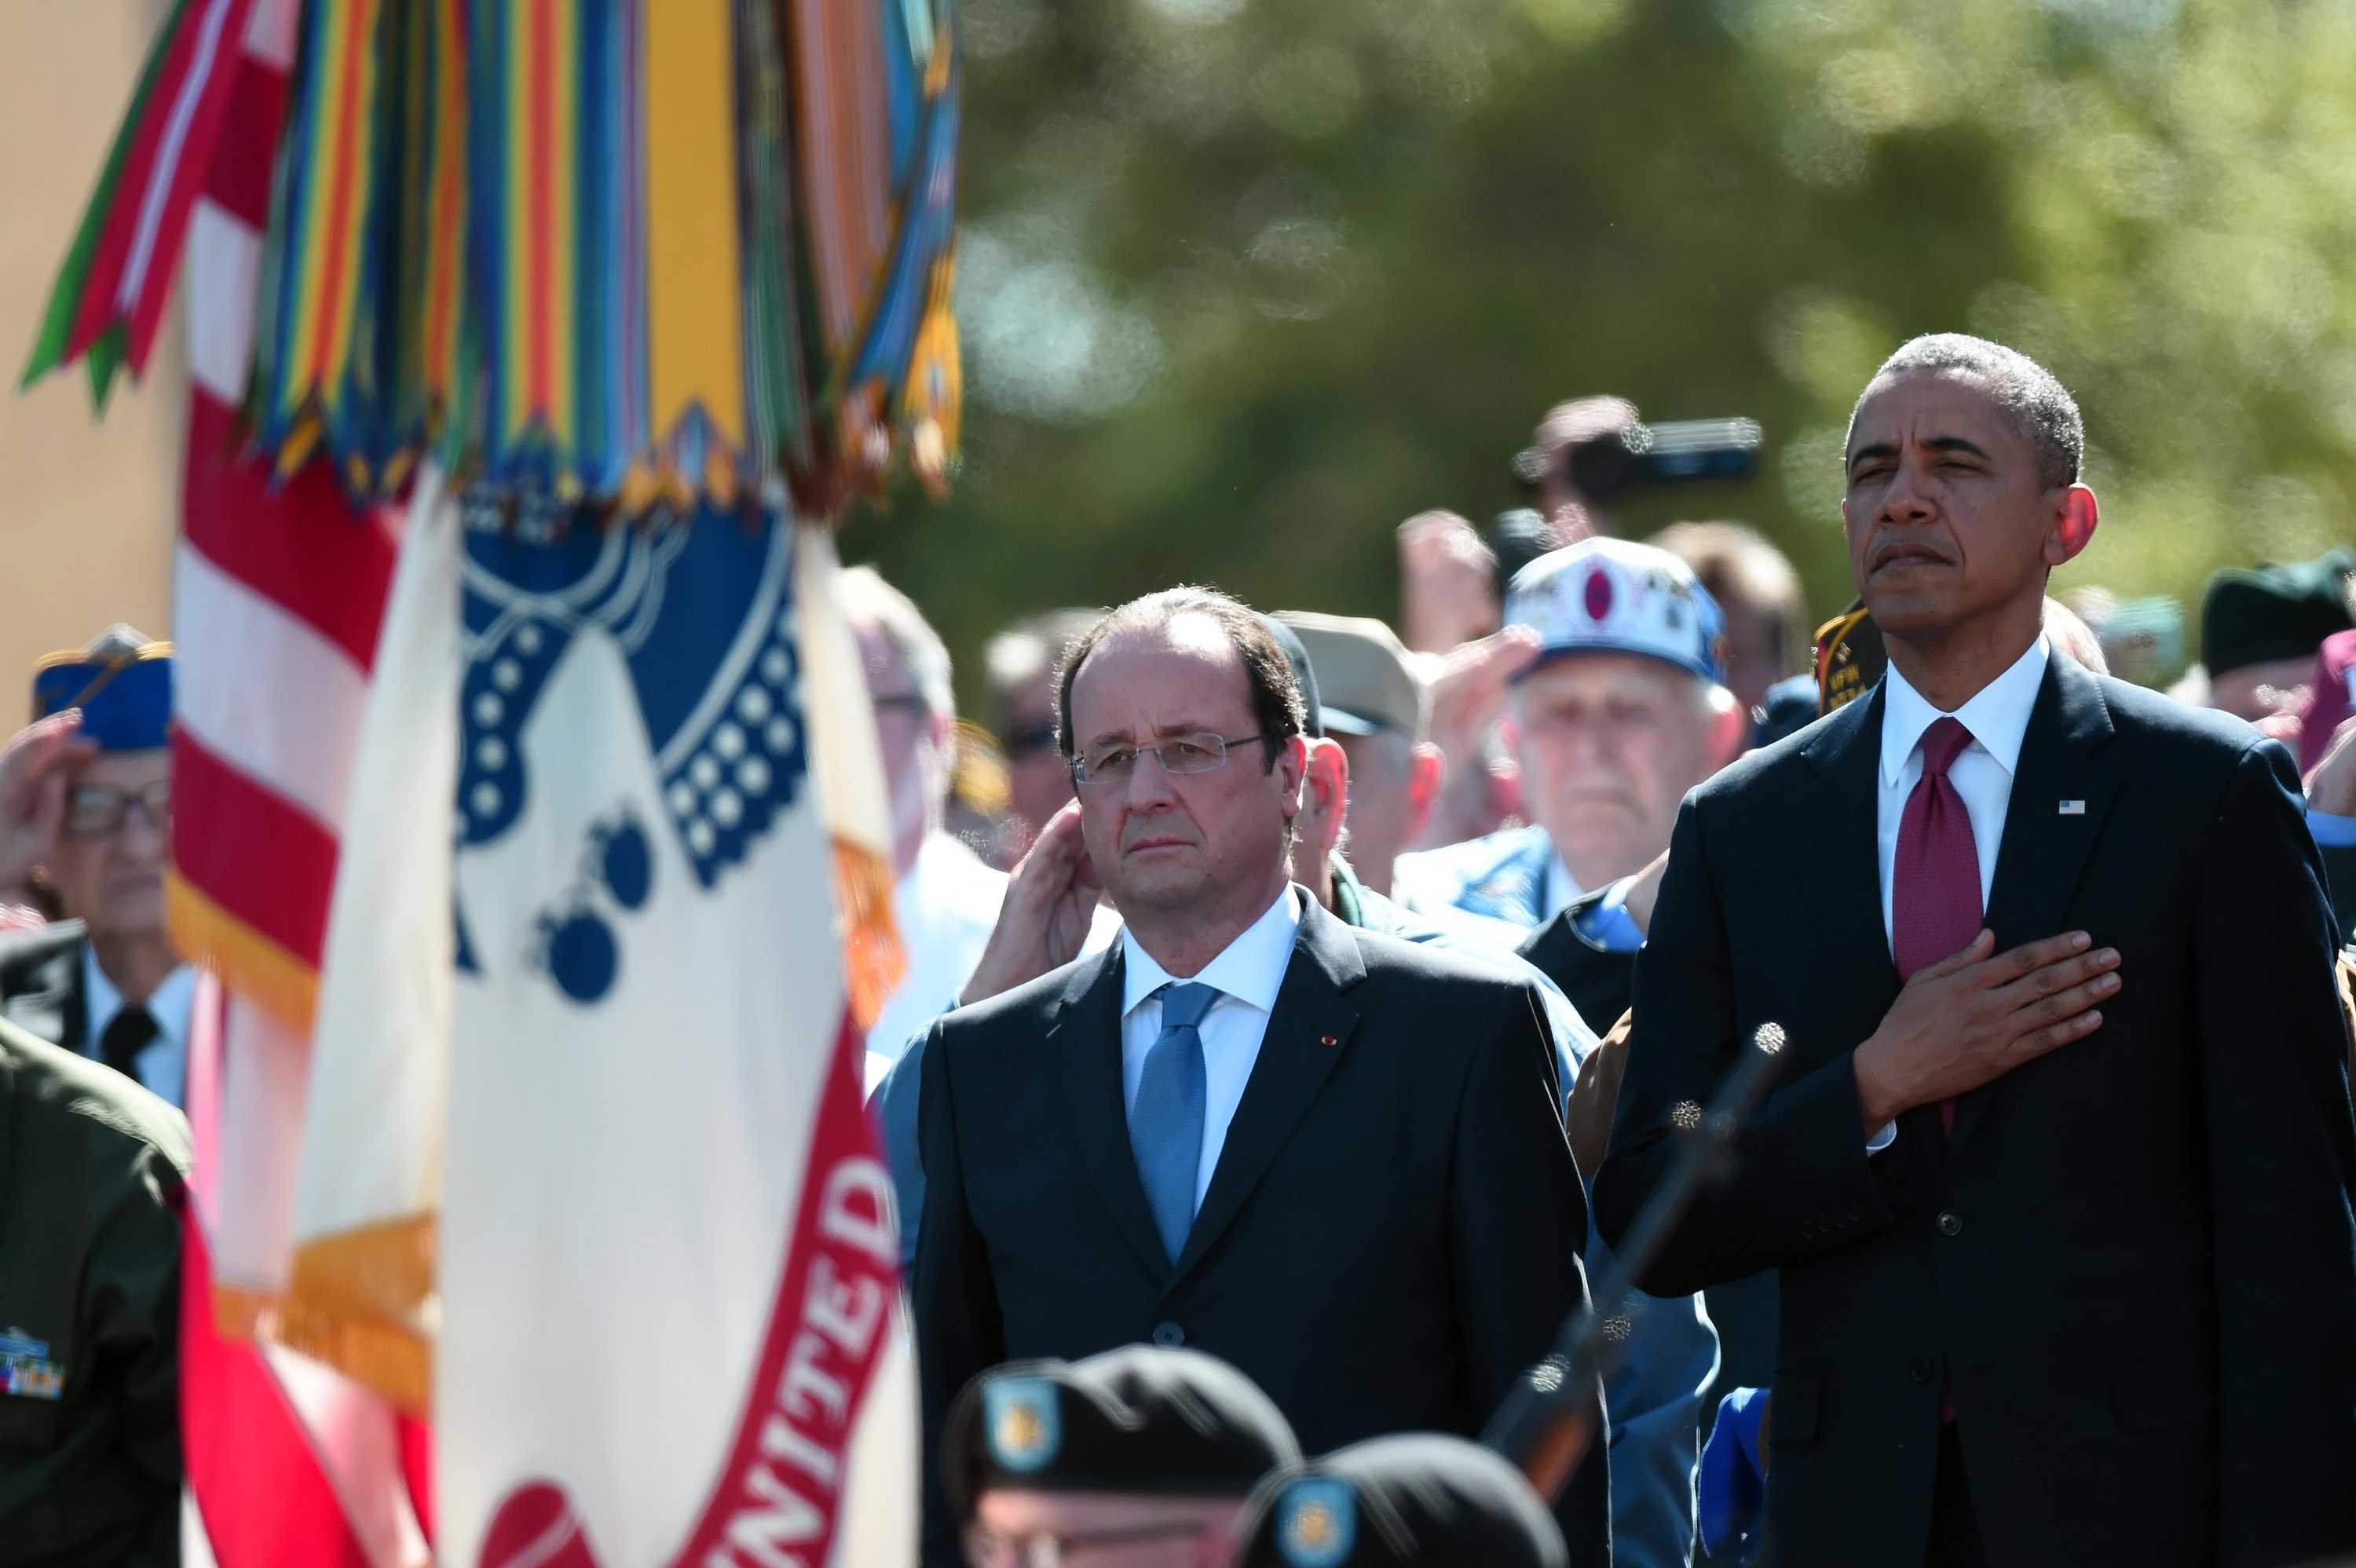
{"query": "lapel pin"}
(1327, 1040)
(2074, 808)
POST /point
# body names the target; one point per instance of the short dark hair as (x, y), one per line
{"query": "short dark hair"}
(2038, 404)
(1277, 706)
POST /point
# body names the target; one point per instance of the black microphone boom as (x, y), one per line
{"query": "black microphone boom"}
(1546, 1424)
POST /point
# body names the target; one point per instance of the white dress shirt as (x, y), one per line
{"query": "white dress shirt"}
(163, 1064)
(1246, 973)
(1997, 717)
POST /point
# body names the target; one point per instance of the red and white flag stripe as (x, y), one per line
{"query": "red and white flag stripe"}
(278, 596)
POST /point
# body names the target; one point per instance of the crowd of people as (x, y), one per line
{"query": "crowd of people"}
(1299, 1014)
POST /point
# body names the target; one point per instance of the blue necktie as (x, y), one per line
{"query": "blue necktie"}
(1165, 1125)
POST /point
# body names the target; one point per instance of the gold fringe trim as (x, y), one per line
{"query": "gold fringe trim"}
(248, 962)
(361, 1301)
(873, 961)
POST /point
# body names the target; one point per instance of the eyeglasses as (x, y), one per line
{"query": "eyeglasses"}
(94, 811)
(986, 1548)
(1196, 753)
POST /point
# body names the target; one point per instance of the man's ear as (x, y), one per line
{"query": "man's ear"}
(1291, 769)
(1730, 728)
(2073, 530)
(1325, 793)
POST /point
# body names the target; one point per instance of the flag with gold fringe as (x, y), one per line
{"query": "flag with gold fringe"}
(609, 251)
(492, 275)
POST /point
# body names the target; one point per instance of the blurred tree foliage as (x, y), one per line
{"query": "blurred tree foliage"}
(1248, 282)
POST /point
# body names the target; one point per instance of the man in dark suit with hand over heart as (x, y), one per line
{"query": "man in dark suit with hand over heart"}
(1331, 1157)
(2059, 1192)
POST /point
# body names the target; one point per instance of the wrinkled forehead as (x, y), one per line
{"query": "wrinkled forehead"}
(1599, 676)
(126, 770)
(1920, 405)
(1185, 670)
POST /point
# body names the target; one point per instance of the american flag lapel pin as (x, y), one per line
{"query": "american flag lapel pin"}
(2074, 808)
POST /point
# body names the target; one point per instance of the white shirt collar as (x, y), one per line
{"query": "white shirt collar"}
(1250, 968)
(171, 1007)
(1997, 715)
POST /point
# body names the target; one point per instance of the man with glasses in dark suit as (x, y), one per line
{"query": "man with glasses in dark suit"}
(1332, 1158)
(85, 826)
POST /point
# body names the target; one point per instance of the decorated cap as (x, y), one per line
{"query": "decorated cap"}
(1415, 1501)
(2258, 615)
(1364, 683)
(2331, 698)
(1304, 675)
(1606, 595)
(1139, 1419)
(1849, 657)
(122, 684)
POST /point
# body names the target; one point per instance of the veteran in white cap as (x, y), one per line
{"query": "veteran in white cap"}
(1625, 710)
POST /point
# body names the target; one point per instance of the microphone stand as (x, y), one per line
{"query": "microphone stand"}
(1546, 1424)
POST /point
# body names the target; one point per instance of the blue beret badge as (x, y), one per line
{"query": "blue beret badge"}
(1024, 1420)
(1317, 1523)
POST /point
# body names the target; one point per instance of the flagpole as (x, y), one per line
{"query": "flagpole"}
(1547, 1422)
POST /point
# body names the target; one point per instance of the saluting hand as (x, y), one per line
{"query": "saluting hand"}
(35, 771)
(1971, 1019)
(1050, 898)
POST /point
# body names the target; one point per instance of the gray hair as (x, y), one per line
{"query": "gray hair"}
(868, 601)
(2037, 404)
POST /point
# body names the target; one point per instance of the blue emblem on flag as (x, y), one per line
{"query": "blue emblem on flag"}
(1022, 1422)
(1317, 1523)
(699, 611)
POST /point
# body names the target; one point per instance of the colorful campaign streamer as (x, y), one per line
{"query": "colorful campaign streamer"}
(611, 251)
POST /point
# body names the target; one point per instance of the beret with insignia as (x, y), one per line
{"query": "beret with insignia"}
(1415, 1501)
(121, 682)
(1139, 1419)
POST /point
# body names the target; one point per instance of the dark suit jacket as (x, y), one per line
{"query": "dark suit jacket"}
(41, 984)
(2134, 1256)
(1391, 1235)
(1741, 1310)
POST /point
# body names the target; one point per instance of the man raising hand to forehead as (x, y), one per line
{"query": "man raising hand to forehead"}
(2060, 1193)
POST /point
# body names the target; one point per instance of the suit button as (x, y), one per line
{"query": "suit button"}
(1168, 1336)
(1920, 1370)
(1950, 1222)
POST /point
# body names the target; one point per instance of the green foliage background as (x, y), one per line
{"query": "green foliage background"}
(1246, 283)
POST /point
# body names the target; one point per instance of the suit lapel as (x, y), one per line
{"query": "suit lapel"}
(52, 1005)
(2044, 851)
(1087, 1032)
(1844, 900)
(1306, 1035)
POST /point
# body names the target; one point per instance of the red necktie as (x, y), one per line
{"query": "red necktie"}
(1934, 885)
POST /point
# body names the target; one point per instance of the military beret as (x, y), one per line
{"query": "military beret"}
(1139, 1419)
(121, 682)
(1414, 1500)
(2258, 615)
